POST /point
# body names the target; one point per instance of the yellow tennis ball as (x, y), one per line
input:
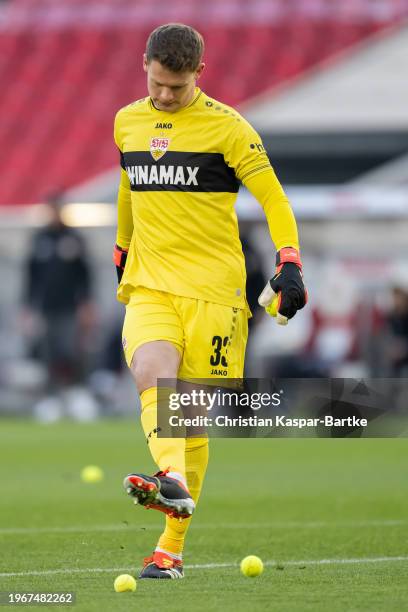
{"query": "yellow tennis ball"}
(124, 583)
(272, 309)
(91, 473)
(251, 566)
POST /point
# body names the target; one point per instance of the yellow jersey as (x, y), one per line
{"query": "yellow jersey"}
(180, 178)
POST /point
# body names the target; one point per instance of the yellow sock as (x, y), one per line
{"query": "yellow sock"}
(172, 539)
(166, 452)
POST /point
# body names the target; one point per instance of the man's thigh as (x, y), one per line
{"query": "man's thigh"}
(215, 338)
(150, 316)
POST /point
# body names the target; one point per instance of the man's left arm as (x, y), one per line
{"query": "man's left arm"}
(285, 293)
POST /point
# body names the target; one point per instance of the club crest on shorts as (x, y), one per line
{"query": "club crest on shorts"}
(158, 147)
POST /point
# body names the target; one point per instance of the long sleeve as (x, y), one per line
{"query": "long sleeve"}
(266, 188)
(125, 218)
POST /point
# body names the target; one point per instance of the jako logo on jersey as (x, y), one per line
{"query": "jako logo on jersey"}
(162, 175)
(164, 126)
(158, 147)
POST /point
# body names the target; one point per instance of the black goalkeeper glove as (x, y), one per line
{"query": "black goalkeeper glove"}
(119, 259)
(285, 293)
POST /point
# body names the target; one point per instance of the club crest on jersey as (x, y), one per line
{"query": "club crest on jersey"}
(158, 147)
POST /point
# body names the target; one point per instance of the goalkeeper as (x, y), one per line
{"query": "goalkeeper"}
(180, 262)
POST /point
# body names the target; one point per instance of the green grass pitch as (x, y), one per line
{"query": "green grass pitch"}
(293, 502)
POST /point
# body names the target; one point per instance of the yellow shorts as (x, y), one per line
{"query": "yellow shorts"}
(211, 338)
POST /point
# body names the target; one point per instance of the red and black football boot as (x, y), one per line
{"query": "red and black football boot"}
(160, 492)
(161, 566)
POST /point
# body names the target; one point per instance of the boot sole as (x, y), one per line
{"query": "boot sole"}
(147, 494)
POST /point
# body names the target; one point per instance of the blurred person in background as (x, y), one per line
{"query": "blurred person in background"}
(255, 283)
(256, 279)
(396, 348)
(58, 311)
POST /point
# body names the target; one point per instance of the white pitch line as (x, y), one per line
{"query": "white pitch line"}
(304, 562)
(135, 527)
(290, 562)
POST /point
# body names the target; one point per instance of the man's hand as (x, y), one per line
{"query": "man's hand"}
(119, 259)
(285, 293)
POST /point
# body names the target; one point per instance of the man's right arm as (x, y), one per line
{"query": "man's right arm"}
(125, 225)
(125, 219)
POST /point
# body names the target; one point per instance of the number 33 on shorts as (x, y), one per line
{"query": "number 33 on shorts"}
(215, 342)
(211, 337)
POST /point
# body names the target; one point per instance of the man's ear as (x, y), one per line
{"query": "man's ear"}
(144, 62)
(199, 70)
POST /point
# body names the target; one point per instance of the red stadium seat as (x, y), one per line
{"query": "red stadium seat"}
(70, 81)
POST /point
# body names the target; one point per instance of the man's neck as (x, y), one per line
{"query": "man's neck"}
(190, 100)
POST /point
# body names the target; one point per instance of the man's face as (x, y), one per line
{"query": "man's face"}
(170, 91)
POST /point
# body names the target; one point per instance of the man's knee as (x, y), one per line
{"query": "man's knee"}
(153, 361)
(145, 375)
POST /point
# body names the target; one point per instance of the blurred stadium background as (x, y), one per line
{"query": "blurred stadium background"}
(321, 80)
